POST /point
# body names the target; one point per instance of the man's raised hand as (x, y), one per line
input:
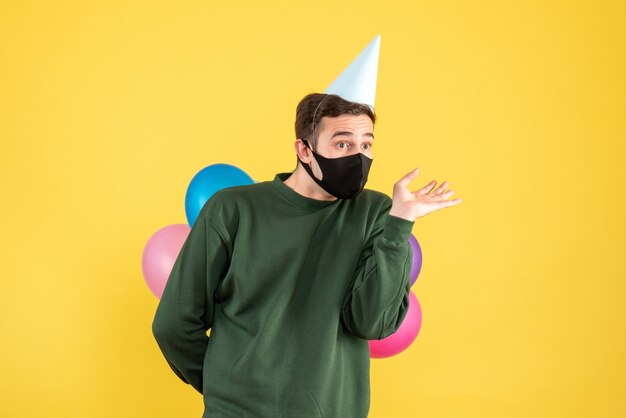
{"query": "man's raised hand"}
(412, 205)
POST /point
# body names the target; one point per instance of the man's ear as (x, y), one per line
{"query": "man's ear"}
(302, 151)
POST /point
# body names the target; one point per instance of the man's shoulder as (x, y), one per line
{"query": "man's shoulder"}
(225, 206)
(228, 198)
(374, 198)
(371, 205)
(244, 190)
(375, 194)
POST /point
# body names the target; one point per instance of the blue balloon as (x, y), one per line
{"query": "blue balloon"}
(208, 181)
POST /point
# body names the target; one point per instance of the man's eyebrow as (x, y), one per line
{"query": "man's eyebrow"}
(341, 133)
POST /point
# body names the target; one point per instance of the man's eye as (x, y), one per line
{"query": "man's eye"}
(367, 146)
(342, 143)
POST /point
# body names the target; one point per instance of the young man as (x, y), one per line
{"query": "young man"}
(293, 276)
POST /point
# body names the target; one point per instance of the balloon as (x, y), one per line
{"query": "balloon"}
(208, 181)
(403, 337)
(416, 265)
(159, 255)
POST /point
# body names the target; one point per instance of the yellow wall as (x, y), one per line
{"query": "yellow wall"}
(108, 109)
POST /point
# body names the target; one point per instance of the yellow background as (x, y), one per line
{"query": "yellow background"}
(108, 109)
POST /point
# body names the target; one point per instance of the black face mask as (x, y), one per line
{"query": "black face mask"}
(342, 177)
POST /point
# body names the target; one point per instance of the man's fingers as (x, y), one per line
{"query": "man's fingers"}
(441, 188)
(447, 194)
(427, 188)
(408, 177)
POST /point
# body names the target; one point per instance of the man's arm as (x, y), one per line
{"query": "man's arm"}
(377, 302)
(185, 311)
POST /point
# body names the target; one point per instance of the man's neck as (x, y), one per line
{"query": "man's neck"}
(303, 184)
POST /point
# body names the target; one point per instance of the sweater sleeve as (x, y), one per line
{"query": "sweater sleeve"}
(185, 311)
(378, 300)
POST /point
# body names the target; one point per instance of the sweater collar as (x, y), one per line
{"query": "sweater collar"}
(296, 198)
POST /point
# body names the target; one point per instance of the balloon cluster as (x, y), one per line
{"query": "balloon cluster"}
(163, 247)
(410, 326)
(161, 250)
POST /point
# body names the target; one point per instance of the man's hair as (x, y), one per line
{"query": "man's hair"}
(319, 105)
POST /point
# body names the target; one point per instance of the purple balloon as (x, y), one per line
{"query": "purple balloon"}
(416, 264)
(159, 255)
(404, 335)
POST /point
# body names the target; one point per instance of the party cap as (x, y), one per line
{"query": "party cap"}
(357, 83)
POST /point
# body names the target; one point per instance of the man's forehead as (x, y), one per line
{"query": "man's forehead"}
(348, 122)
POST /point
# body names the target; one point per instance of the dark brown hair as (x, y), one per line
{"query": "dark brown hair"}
(330, 105)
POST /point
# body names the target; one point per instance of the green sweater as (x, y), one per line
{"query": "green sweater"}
(292, 288)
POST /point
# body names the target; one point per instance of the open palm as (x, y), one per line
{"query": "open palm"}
(412, 205)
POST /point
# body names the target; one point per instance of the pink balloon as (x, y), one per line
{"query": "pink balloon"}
(159, 255)
(403, 337)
